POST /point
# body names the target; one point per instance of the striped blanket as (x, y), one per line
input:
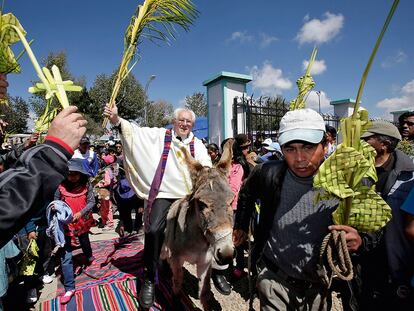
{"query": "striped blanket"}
(110, 282)
(116, 296)
(115, 260)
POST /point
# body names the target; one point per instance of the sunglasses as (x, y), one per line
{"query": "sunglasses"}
(408, 123)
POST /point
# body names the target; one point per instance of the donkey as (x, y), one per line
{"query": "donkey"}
(199, 226)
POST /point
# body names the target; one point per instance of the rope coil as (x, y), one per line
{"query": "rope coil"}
(334, 258)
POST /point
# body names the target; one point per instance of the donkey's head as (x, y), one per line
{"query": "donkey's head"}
(211, 199)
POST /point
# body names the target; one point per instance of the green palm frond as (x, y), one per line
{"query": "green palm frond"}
(305, 84)
(154, 20)
(343, 174)
(11, 31)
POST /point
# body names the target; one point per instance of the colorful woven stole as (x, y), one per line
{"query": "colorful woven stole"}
(159, 174)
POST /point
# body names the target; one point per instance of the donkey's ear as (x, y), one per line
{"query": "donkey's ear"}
(225, 161)
(193, 165)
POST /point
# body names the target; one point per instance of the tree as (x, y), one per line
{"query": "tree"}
(130, 100)
(159, 113)
(197, 103)
(15, 114)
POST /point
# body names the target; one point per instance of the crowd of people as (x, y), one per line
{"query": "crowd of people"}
(49, 190)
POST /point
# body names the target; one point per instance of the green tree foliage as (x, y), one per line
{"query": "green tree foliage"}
(130, 100)
(16, 115)
(159, 114)
(197, 103)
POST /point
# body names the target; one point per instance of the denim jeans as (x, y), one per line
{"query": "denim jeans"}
(67, 261)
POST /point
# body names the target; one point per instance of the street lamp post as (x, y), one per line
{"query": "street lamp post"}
(151, 78)
(319, 100)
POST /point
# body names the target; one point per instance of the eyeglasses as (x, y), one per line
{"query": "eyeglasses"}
(407, 122)
(185, 121)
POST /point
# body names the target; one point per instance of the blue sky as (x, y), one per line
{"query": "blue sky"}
(268, 39)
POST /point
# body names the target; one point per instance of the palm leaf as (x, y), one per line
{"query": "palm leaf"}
(156, 21)
(305, 84)
(344, 173)
(51, 84)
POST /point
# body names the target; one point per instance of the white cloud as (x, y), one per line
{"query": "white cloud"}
(408, 88)
(266, 40)
(405, 101)
(240, 36)
(318, 66)
(320, 30)
(269, 80)
(312, 101)
(398, 58)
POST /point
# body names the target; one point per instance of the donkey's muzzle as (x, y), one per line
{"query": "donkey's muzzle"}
(224, 256)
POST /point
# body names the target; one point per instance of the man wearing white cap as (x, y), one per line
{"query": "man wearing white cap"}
(291, 225)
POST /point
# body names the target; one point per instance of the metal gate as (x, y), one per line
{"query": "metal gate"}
(260, 118)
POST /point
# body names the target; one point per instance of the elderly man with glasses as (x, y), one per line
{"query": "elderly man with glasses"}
(158, 181)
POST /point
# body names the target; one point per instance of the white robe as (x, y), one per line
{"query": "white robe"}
(143, 147)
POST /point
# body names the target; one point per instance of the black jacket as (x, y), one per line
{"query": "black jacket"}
(30, 183)
(263, 185)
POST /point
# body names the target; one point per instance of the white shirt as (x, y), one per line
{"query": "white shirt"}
(143, 147)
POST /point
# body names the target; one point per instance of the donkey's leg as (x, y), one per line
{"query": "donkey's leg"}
(177, 270)
(204, 276)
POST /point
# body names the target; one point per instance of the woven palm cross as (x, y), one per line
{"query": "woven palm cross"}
(54, 86)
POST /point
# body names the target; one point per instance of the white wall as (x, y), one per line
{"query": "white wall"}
(215, 117)
(232, 90)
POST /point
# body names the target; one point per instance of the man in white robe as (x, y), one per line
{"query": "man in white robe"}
(143, 150)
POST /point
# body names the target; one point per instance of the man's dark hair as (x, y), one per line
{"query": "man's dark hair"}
(213, 147)
(111, 149)
(388, 141)
(330, 129)
(404, 116)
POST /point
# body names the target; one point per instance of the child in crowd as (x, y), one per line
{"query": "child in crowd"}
(126, 201)
(104, 190)
(77, 192)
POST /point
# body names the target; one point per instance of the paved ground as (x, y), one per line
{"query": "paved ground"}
(237, 300)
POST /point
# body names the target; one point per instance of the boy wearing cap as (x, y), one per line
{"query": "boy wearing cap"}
(387, 269)
(291, 225)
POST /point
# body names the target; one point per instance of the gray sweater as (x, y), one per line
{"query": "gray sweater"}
(298, 228)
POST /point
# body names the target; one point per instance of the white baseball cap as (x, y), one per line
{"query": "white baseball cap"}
(267, 142)
(301, 124)
(273, 147)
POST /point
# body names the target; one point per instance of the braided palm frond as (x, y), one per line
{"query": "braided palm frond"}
(305, 84)
(349, 174)
(154, 20)
(9, 36)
